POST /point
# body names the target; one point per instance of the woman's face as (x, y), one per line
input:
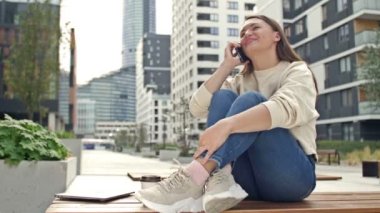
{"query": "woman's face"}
(257, 35)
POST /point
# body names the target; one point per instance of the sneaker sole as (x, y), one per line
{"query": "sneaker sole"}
(186, 205)
(225, 200)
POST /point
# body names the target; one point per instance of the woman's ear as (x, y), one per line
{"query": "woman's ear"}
(277, 36)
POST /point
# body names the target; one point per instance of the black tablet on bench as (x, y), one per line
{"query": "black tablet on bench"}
(92, 196)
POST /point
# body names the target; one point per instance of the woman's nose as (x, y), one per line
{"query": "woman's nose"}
(247, 33)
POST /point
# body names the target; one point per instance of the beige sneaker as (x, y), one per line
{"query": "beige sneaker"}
(177, 193)
(222, 192)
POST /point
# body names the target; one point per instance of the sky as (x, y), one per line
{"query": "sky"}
(98, 30)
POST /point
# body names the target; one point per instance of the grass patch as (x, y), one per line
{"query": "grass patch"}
(354, 152)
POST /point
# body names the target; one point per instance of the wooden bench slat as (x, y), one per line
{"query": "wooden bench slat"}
(253, 207)
(338, 202)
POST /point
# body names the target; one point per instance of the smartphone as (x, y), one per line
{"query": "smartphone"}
(240, 53)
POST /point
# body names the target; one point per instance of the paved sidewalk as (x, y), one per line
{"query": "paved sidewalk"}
(107, 163)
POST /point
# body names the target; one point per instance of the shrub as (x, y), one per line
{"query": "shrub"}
(26, 140)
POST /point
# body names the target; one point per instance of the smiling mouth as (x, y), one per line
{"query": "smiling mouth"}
(247, 41)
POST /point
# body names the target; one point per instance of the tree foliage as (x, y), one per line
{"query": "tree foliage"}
(370, 71)
(33, 65)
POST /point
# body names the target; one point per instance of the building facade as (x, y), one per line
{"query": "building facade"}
(86, 118)
(114, 95)
(10, 11)
(201, 30)
(331, 36)
(139, 17)
(153, 86)
(109, 130)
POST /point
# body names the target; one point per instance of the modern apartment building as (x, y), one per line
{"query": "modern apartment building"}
(201, 30)
(153, 86)
(331, 36)
(114, 95)
(139, 17)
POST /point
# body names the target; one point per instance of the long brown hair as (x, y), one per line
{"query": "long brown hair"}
(283, 49)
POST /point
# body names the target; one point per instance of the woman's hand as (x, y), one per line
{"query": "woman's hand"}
(212, 138)
(230, 58)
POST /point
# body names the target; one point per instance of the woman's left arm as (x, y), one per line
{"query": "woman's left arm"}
(214, 137)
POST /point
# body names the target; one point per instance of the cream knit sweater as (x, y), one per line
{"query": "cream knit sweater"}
(291, 95)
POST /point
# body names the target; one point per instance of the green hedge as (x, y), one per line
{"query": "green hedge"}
(345, 147)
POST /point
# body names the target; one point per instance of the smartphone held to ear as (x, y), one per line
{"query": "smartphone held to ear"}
(240, 53)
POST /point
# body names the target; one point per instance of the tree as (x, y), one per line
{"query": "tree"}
(370, 71)
(141, 137)
(121, 140)
(183, 142)
(32, 69)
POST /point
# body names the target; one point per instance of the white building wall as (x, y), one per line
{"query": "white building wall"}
(319, 73)
(314, 16)
(184, 50)
(270, 8)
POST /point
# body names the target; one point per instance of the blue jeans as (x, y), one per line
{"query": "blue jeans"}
(269, 165)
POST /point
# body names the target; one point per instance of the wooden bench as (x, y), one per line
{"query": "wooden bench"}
(317, 202)
(332, 154)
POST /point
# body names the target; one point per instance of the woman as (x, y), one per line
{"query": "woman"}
(260, 140)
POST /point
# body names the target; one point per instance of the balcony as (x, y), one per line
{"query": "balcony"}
(365, 37)
(366, 108)
(365, 5)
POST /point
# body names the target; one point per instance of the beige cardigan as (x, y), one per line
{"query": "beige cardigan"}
(291, 95)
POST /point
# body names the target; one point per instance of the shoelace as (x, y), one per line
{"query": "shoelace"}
(217, 178)
(173, 181)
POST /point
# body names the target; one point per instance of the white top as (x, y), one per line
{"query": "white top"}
(291, 94)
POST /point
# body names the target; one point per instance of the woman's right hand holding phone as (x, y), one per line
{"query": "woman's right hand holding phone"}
(231, 60)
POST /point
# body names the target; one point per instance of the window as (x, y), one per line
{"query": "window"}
(232, 5)
(232, 19)
(329, 132)
(211, 44)
(328, 101)
(207, 16)
(346, 96)
(324, 12)
(205, 70)
(325, 42)
(297, 4)
(208, 30)
(249, 6)
(288, 31)
(286, 5)
(341, 5)
(232, 32)
(343, 33)
(308, 49)
(348, 131)
(299, 27)
(345, 64)
(207, 3)
(208, 57)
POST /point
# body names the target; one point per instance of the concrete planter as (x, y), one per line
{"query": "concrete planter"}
(167, 155)
(75, 146)
(185, 160)
(30, 186)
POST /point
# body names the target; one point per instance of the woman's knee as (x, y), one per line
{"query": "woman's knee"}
(246, 101)
(252, 97)
(223, 97)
